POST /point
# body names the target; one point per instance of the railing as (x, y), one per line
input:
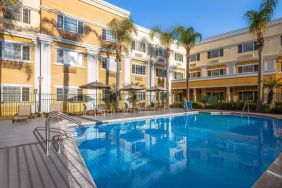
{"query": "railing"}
(247, 104)
(66, 134)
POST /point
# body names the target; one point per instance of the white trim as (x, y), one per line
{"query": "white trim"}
(69, 49)
(17, 85)
(66, 87)
(67, 65)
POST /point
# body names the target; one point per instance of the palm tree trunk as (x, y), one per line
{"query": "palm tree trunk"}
(260, 79)
(187, 74)
(167, 77)
(117, 81)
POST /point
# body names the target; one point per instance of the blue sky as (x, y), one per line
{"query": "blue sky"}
(209, 17)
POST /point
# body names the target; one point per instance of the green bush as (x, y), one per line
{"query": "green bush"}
(277, 109)
(177, 105)
(198, 105)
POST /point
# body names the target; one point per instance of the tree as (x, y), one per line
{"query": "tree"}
(187, 37)
(258, 22)
(8, 9)
(122, 32)
(272, 84)
(166, 37)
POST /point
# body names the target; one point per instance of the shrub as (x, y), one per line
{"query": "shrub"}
(177, 105)
(198, 105)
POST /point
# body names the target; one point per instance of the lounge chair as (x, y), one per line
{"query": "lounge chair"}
(141, 106)
(23, 114)
(101, 109)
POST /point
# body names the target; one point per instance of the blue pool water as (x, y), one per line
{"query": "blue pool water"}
(182, 151)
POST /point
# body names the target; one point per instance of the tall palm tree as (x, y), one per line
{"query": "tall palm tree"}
(166, 37)
(272, 84)
(122, 31)
(8, 9)
(187, 37)
(258, 22)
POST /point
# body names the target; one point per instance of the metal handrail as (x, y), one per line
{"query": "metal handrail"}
(248, 105)
(67, 134)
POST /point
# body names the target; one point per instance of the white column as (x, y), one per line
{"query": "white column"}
(204, 72)
(127, 72)
(169, 83)
(92, 69)
(194, 94)
(228, 94)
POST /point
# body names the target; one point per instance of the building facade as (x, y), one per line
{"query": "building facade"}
(55, 47)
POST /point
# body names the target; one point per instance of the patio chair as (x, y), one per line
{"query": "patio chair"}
(126, 108)
(23, 114)
(141, 106)
(101, 109)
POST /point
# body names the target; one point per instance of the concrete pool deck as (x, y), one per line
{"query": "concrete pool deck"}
(23, 162)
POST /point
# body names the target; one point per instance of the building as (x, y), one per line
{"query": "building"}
(226, 65)
(55, 47)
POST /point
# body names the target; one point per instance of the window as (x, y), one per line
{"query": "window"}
(68, 57)
(269, 65)
(195, 57)
(66, 94)
(69, 24)
(216, 53)
(160, 52)
(195, 74)
(140, 96)
(248, 95)
(104, 61)
(218, 95)
(139, 46)
(178, 57)
(138, 69)
(160, 72)
(215, 72)
(20, 15)
(178, 75)
(281, 40)
(247, 47)
(108, 35)
(247, 68)
(15, 94)
(14, 51)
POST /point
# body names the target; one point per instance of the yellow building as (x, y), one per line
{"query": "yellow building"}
(55, 45)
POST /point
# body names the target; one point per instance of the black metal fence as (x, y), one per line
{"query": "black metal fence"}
(74, 103)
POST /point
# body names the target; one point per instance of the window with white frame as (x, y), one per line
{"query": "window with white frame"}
(269, 65)
(69, 94)
(104, 61)
(195, 57)
(20, 15)
(138, 69)
(178, 75)
(14, 51)
(160, 72)
(69, 24)
(160, 52)
(247, 47)
(215, 72)
(69, 57)
(215, 53)
(248, 95)
(247, 68)
(139, 46)
(195, 74)
(108, 35)
(178, 57)
(140, 96)
(281, 40)
(15, 94)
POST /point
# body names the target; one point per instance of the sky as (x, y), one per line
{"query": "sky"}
(209, 17)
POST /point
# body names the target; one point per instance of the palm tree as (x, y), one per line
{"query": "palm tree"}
(187, 37)
(122, 31)
(272, 84)
(258, 22)
(7, 10)
(166, 37)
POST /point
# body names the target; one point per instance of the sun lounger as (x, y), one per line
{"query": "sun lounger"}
(23, 114)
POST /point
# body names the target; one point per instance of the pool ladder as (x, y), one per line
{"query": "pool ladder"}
(65, 135)
(247, 104)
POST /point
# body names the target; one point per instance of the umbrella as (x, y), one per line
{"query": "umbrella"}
(132, 88)
(156, 89)
(95, 85)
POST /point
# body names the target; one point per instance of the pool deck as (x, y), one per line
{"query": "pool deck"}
(23, 162)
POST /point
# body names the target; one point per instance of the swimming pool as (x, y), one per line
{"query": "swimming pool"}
(199, 150)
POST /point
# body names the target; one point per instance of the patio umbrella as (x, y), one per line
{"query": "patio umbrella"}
(156, 89)
(95, 85)
(132, 88)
